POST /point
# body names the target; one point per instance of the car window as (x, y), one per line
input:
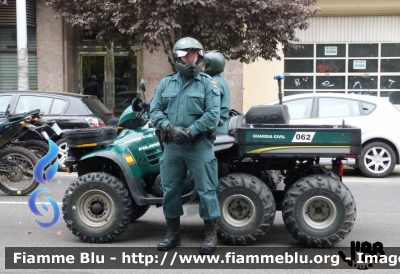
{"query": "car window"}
(58, 106)
(368, 107)
(31, 102)
(95, 106)
(300, 109)
(337, 107)
(4, 102)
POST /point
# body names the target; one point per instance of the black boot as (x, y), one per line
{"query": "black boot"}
(172, 237)
(210, 237)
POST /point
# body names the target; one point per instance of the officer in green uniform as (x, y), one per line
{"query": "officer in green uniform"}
(186, 105)
(214, 65)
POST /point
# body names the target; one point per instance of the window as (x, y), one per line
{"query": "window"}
(30, 102)
(363, 50)
(298, 82)
(300, 109)
(304, 50)
(299, 65)
(336, 107)
(58, 106)
(331, 50)
(330, 82)
(363, 68)
(4, 102)
(367, 107)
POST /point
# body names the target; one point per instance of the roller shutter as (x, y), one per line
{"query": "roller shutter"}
(8, 46)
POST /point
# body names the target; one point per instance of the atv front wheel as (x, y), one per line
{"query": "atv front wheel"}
(97, 207)
(319, 210)
(247, 209)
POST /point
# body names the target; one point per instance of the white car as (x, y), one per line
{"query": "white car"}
(377, 118)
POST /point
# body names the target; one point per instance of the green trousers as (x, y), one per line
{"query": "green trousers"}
(203, 166)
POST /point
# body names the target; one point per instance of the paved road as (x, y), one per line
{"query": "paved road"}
(378, 217)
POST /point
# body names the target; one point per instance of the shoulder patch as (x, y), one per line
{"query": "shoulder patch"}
(214, 83)
(172, 74)
(205, 75)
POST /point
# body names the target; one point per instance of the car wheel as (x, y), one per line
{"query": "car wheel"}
(247, 209)
(97, 207)
(319, 210)
(377, 160)
(62, 154)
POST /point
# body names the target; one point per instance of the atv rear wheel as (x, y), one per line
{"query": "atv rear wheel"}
(97, 207)
(247, 209)
(319, 210)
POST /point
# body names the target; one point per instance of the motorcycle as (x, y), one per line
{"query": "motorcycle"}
(17, 161)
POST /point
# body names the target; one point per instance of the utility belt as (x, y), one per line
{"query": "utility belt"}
(221, 121)
(163, 137)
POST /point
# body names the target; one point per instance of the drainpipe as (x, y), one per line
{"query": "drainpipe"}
(22, 46)
(110, 81)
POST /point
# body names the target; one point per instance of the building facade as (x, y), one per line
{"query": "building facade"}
(62, 58)
(353, 46)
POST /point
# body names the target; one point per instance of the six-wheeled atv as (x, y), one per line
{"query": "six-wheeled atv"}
(118, 177)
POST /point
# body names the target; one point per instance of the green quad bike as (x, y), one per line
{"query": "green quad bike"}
(118, 177)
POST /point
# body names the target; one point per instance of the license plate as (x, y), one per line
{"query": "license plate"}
(44, 133)
(56, 128)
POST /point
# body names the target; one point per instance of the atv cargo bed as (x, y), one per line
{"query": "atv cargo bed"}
(302, 141)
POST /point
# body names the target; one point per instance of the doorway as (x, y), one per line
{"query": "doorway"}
(125, 82)
(116, 75)
(93, 65)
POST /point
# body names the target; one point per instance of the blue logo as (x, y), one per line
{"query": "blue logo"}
(43, 172)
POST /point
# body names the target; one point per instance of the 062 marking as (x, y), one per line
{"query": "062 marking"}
(303, 137)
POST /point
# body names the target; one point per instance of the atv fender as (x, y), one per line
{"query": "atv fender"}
(134, 184)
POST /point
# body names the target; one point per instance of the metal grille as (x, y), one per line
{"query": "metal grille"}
(8, 13)
(154, 155)
(351, 29)
(9, 71)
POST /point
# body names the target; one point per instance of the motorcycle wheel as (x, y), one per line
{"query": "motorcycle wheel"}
(21, 181)
(40, 148)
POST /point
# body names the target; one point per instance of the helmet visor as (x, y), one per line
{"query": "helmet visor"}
(182, 52)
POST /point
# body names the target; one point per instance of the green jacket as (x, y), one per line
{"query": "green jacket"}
(225, 96)
(194, 104)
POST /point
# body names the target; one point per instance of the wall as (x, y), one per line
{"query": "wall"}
(233, 75)
(258, 83)
(259, 86)
(49, 49)
(155, 66)
(70, 61)
(359, 7)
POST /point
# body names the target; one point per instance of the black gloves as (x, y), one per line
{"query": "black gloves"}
(178, 135)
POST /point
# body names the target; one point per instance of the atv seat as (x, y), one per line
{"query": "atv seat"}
(232, 125)
(224, 139)
(272, 115)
